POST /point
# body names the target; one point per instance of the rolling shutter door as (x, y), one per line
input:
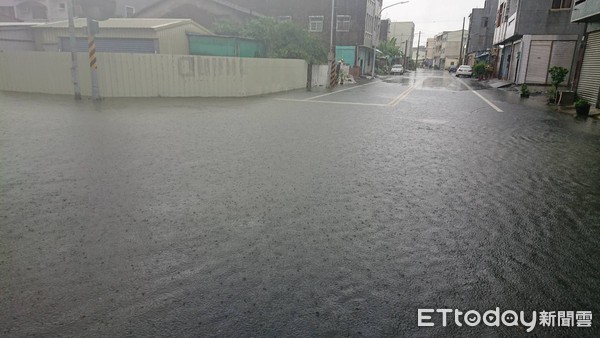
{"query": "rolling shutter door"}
(113, 45)
(562, 54)
(589, 81)
(537, 66)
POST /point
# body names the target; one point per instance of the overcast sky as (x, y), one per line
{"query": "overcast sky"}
(431, 16)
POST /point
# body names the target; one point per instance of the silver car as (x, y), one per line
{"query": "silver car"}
(397, 69)
(464, 70)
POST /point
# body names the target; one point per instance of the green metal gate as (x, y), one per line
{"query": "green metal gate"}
(225, 46)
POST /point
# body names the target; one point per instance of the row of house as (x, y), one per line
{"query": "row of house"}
(524, 39)
(353, 26)
(355, 23)
(532, 37)
(444, 49)
(56, 10)
(118, 35)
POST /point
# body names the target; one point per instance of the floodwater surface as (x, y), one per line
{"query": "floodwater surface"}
(258, 217)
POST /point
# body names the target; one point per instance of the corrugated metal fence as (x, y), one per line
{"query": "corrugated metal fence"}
(144, 75)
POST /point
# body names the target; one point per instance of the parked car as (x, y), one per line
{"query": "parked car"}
(452, 69)
(397, 69)
(464, 70)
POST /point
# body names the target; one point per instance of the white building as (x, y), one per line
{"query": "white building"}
(120, 35)
(56, 10)
(37, 10)
(404, 32)
(447, 50)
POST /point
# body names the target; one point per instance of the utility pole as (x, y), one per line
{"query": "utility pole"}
(418, 46)
(96, 11)
(373, 32)
(73, 47)
(405, 53)
(462, 37)
(373, 40)
(331, 54)
(468, 60)
(92, 27)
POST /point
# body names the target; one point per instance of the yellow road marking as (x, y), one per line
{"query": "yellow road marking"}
(401, 97)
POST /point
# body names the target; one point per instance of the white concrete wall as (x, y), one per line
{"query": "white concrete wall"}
(148, 75)
(320, 75)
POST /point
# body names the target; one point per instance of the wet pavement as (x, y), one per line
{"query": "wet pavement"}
(297, 214)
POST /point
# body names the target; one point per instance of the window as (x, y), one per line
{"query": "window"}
(62, 6)
(484, 23)
(561, 4)
(343, 23)
(7, 11)
(39, 12)
(284, 18)
(499, 17)
(315, 23)
(368, 23)
(129, 11)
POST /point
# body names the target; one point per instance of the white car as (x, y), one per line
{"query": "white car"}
(464, 70)
(397, 69)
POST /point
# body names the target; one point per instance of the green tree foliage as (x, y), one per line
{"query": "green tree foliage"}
(282, 39)
(558, 75)
(390, 50)
(479, 69)
(228, 28)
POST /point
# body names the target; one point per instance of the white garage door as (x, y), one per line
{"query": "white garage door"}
(539, 59)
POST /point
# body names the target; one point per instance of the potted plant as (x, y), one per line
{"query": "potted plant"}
(551, 95)
(557, 75)
(524, 90)
(582, 107)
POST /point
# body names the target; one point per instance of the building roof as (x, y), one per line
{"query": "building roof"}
(129, 23)
(175, 3)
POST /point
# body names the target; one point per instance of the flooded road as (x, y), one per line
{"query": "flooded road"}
(287, 216)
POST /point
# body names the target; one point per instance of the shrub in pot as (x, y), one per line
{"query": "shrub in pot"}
(582, 107)
(524, 91)
(557, 75)
(551, 94)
